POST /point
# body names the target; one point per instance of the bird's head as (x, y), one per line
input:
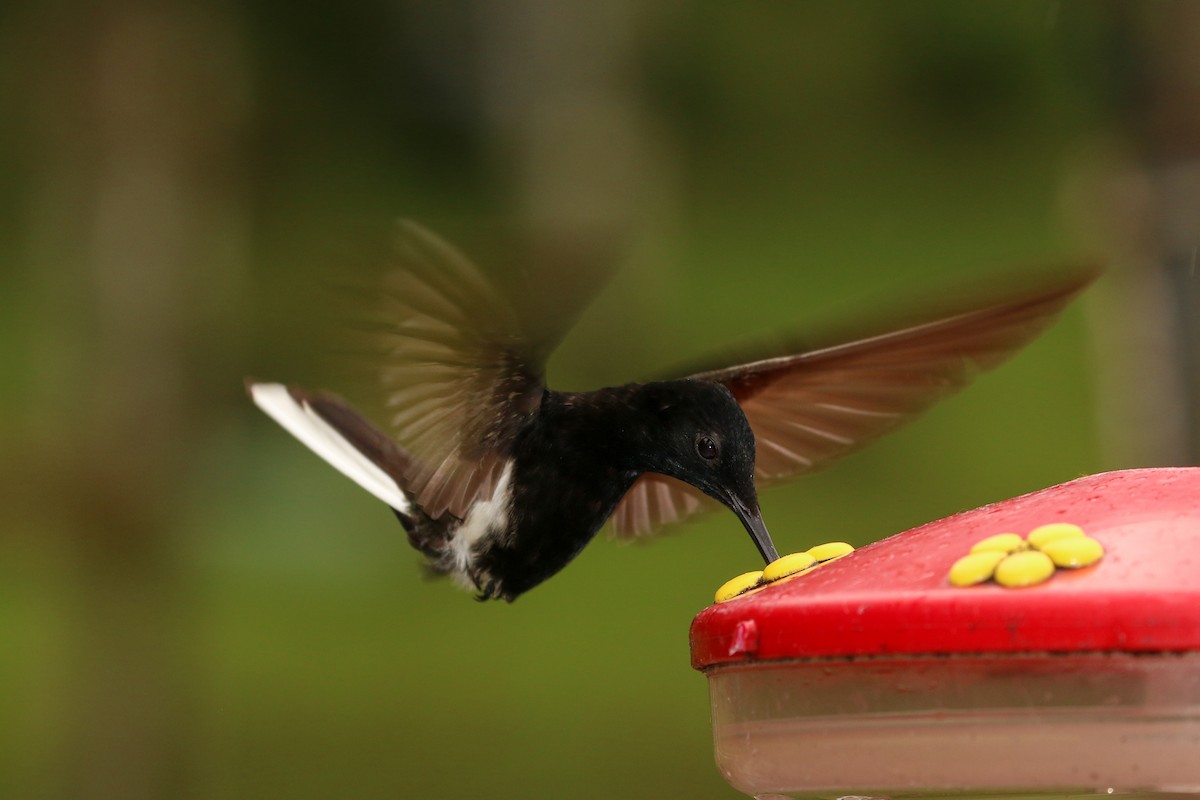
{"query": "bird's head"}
(699, 435)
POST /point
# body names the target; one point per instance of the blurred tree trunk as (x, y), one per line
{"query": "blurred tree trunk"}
(134, 111)
(593, 176)
(1143, 207)
(570, 139)
(558, 95)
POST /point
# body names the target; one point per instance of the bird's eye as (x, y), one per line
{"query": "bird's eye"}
(707, 448)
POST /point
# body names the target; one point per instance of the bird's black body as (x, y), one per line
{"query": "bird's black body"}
(500, 481)
(573, 460)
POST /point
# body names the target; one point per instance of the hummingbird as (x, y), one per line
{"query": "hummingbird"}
(500, 481)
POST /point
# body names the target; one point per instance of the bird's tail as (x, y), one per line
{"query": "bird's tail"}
(343, 437)
(360, 451)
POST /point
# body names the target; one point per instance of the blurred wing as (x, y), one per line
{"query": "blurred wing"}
(810, 408)
(656, 501)
(462, 371)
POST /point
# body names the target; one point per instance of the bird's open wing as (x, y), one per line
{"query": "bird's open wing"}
(655, 502)
(809, 408)
(463, 359)
(461, 368)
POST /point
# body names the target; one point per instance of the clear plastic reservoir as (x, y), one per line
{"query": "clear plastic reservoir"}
(1031, 725)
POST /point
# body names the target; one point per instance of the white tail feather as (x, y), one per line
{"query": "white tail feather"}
(299, 419)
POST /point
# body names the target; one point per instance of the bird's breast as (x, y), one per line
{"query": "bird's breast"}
(486, 520)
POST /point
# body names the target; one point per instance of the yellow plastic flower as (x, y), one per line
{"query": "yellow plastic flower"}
(1013, 561)
(789, 566)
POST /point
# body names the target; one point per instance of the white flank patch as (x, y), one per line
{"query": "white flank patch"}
(301, 421)
(484, 516)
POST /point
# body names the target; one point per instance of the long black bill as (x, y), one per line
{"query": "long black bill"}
(752, 519)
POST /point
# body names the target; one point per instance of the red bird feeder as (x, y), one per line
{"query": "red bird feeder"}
(1034, 671)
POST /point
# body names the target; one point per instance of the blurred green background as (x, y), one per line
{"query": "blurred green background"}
(192, 605)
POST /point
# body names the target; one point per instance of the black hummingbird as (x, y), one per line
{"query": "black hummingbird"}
(501, 481)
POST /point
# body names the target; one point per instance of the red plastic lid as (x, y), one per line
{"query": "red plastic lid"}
(894, 597)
